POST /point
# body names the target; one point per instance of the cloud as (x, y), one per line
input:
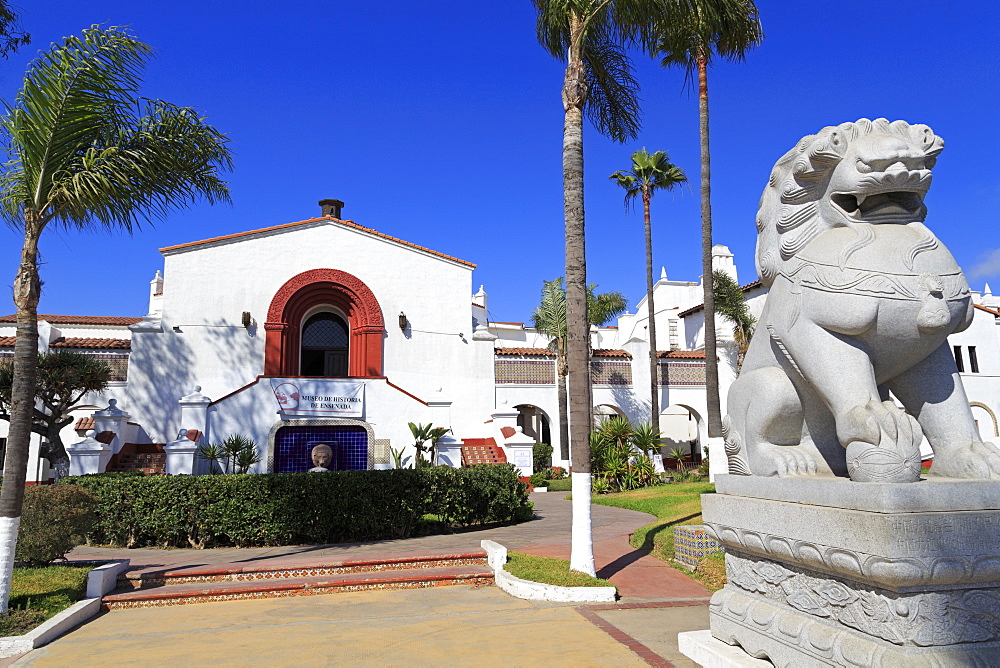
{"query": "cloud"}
(988, 265)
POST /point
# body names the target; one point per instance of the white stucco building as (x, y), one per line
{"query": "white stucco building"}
(325, 330)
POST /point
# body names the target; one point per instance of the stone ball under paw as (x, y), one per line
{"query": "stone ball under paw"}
(871, 463)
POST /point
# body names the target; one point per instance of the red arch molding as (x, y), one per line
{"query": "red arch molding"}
(319, 287)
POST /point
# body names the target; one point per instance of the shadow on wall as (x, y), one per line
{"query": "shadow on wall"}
(165, 366)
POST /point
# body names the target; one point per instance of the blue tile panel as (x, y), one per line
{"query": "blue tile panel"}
(293, 447)
(691, 543)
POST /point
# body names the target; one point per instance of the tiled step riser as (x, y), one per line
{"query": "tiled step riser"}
(147, 582)
(306, 591)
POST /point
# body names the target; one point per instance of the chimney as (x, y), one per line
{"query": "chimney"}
(330, 208)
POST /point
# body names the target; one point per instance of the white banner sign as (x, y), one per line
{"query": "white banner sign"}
(319, 397)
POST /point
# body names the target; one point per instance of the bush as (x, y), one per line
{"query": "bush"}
(540, 479)
(299, 508)
(54, 520)
(542, 454)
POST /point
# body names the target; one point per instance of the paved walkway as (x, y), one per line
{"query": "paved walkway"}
(439, 626)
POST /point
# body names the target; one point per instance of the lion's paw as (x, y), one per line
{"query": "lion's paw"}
(977, 460)
(782, 461)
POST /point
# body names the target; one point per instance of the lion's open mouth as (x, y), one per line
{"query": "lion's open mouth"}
(889, 205)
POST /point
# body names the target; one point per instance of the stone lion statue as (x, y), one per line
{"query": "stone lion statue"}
(862, 299)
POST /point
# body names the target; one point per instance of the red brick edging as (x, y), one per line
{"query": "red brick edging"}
(649, 656)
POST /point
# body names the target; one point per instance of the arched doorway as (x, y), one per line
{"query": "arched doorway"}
(334, 293)
(603, 412)
(679, 428)
(325, 344)
(534, 422)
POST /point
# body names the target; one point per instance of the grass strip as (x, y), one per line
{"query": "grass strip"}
(38, 594)
(560, 485)
(549, 570)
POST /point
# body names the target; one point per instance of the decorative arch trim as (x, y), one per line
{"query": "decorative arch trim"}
(323, 287)
(978, 404)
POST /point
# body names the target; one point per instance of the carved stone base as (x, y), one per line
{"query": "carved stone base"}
(837, 582)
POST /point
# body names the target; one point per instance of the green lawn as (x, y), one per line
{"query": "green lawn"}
(37, 594)
(549, 570)
(560, 485)
(673, 504)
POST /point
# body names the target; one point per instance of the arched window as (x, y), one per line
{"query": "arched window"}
(324, 346)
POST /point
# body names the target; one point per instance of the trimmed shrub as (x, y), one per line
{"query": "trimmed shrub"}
(542, 455)
(298, 508)
(54, 520)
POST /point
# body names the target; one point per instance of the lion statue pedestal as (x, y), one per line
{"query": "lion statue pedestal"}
(837, 552)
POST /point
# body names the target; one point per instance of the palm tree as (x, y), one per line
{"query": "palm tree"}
(649, 174)
(86, 151)
(549, 319)
(590, 36)
(728, 28)
(731, 304)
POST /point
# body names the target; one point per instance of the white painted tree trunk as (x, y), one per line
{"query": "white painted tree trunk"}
(8, 541)
(581, 556)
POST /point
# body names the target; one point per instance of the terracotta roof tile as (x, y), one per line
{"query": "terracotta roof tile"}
(345, 223)
(681, 354)
(745, 288)
(84, 424)
(988, 310)
(507, 431)
(101, 344)
(610, 352)
(526, 352)
(78, 319)
(7, 341)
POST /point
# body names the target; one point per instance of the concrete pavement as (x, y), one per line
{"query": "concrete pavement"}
(440, 626)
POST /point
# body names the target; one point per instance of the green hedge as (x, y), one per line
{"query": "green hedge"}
(298, 508)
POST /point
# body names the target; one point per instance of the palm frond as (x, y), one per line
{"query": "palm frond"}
(613, 90)
(602, 308)
(549, 317)
(84, 149)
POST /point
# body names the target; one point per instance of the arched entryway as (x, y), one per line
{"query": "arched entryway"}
(679, 426)
(321, 301)
(603, 412)
(534, 422)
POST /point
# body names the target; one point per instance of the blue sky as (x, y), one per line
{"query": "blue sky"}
(441, 123)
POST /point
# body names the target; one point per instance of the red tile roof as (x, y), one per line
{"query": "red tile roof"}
(745, 288)
(78, 319)
(507, 431)
(344, 223)
(94, 344)
(84, 424)
(610, 352)
(682, 354)
(7, 341)
(527, 352)
(988, 310)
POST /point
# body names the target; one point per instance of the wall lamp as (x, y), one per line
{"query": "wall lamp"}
(247, 320)
(403, 324)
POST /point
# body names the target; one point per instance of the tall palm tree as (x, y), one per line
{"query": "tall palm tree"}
(727, 28)
(731, 304)
(86, 151)
(649, 174)
(590, 36)
(549, 319)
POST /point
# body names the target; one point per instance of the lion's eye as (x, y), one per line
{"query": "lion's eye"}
(863, 166)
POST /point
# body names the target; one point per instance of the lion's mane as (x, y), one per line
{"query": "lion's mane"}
(788, 217)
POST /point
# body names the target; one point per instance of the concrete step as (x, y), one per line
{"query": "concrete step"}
(224, 582)
(292, 567)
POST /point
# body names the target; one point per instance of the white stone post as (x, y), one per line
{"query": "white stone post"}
(181, 454)
(88, 456)
(112, 419)
(194, 410)
(520, 451)
(449, 451)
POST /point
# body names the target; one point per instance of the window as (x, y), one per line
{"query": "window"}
(973, 360)
(324, 346)
(958, 359)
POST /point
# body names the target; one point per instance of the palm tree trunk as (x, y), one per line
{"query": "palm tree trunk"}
(711, 358)
(654, 385)
(22, 404)
(577, 330)
(563, 403)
